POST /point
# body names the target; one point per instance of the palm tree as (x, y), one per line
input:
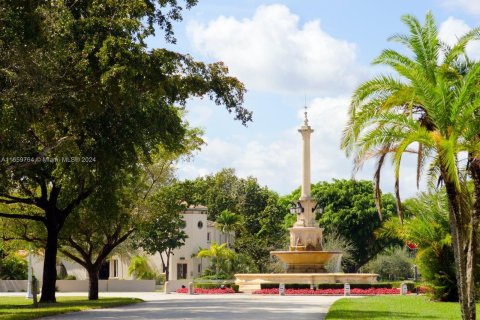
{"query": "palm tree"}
(429, 109)
(220, 256)
(227, 222)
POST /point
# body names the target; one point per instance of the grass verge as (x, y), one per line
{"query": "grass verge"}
(20, 308)
(393, 308)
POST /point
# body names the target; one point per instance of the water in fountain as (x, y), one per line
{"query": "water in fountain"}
(338, 264)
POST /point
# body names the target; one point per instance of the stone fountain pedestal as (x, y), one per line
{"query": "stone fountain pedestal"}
(249, 282)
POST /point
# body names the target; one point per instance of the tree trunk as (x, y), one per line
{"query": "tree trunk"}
(473, 243)
(459, 243)
(50, 266)
(167, 269)
(165, 264)
(93, 282)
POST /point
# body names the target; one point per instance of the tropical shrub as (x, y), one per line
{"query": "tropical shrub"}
(140, 269)
(13, 268)
(393, 265)
(427, 226)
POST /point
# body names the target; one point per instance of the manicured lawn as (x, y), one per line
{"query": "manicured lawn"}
(20, 308)
(392, 308)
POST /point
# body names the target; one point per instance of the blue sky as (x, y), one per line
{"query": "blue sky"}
(289, 51)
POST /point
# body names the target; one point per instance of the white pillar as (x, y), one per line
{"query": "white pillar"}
(306, 131)
(29, 283)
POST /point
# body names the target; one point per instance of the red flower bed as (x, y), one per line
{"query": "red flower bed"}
(207, 291)
(362, 292)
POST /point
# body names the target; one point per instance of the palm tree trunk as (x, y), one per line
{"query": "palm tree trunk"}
(473, 243)
(459, 243)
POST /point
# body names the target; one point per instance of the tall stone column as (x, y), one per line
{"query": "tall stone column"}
(306, 218)
(306, 131)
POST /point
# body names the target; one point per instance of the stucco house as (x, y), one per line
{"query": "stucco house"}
(183, 263)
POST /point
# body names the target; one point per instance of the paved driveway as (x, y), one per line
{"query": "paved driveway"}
(210, 307)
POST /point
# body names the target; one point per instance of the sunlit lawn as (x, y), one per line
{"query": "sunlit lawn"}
(393, 308)
(22, 308)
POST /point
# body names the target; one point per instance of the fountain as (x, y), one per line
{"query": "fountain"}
(305, 254)
(305, 258)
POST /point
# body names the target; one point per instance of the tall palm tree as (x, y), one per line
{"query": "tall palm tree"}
(220, 256)
(430, 108)
(227, 222)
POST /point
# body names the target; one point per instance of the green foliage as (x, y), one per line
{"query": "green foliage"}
(221, 276)
(429, 108)
(20, 308)
(333, 241)
(140, 269)
(393, 308)
(161, 229)
(228, 222)
(160, 278)
(208, 285)
(221, 258)
(287, 285)
(429, 228)
(393, 265)
(98, 101)
(13, 267)
(261, 216)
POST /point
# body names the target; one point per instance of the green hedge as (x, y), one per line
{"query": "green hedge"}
(208, 285)
(287, 286)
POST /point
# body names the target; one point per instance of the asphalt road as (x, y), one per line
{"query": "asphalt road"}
(212, 307)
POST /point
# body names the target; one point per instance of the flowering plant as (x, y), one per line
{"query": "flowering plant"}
(355, 291)
(207, 291)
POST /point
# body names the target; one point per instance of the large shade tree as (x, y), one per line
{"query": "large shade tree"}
(99, 225)
(81, 97)
(430, 108)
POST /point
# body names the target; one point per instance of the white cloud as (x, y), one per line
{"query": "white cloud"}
(199, 113)
(469, 6)
(272, 52)
(277, 163)
(452, 29)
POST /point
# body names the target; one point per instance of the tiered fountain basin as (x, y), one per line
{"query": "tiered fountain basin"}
(303, 267)
(249, 282)
(305, 261)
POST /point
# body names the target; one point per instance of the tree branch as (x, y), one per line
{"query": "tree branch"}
(22, 216)
(72, 205)
(79, 249)
(12, 199)
(108, 248)
(74, 258)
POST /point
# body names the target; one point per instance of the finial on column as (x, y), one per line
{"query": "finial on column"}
(306, 118)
